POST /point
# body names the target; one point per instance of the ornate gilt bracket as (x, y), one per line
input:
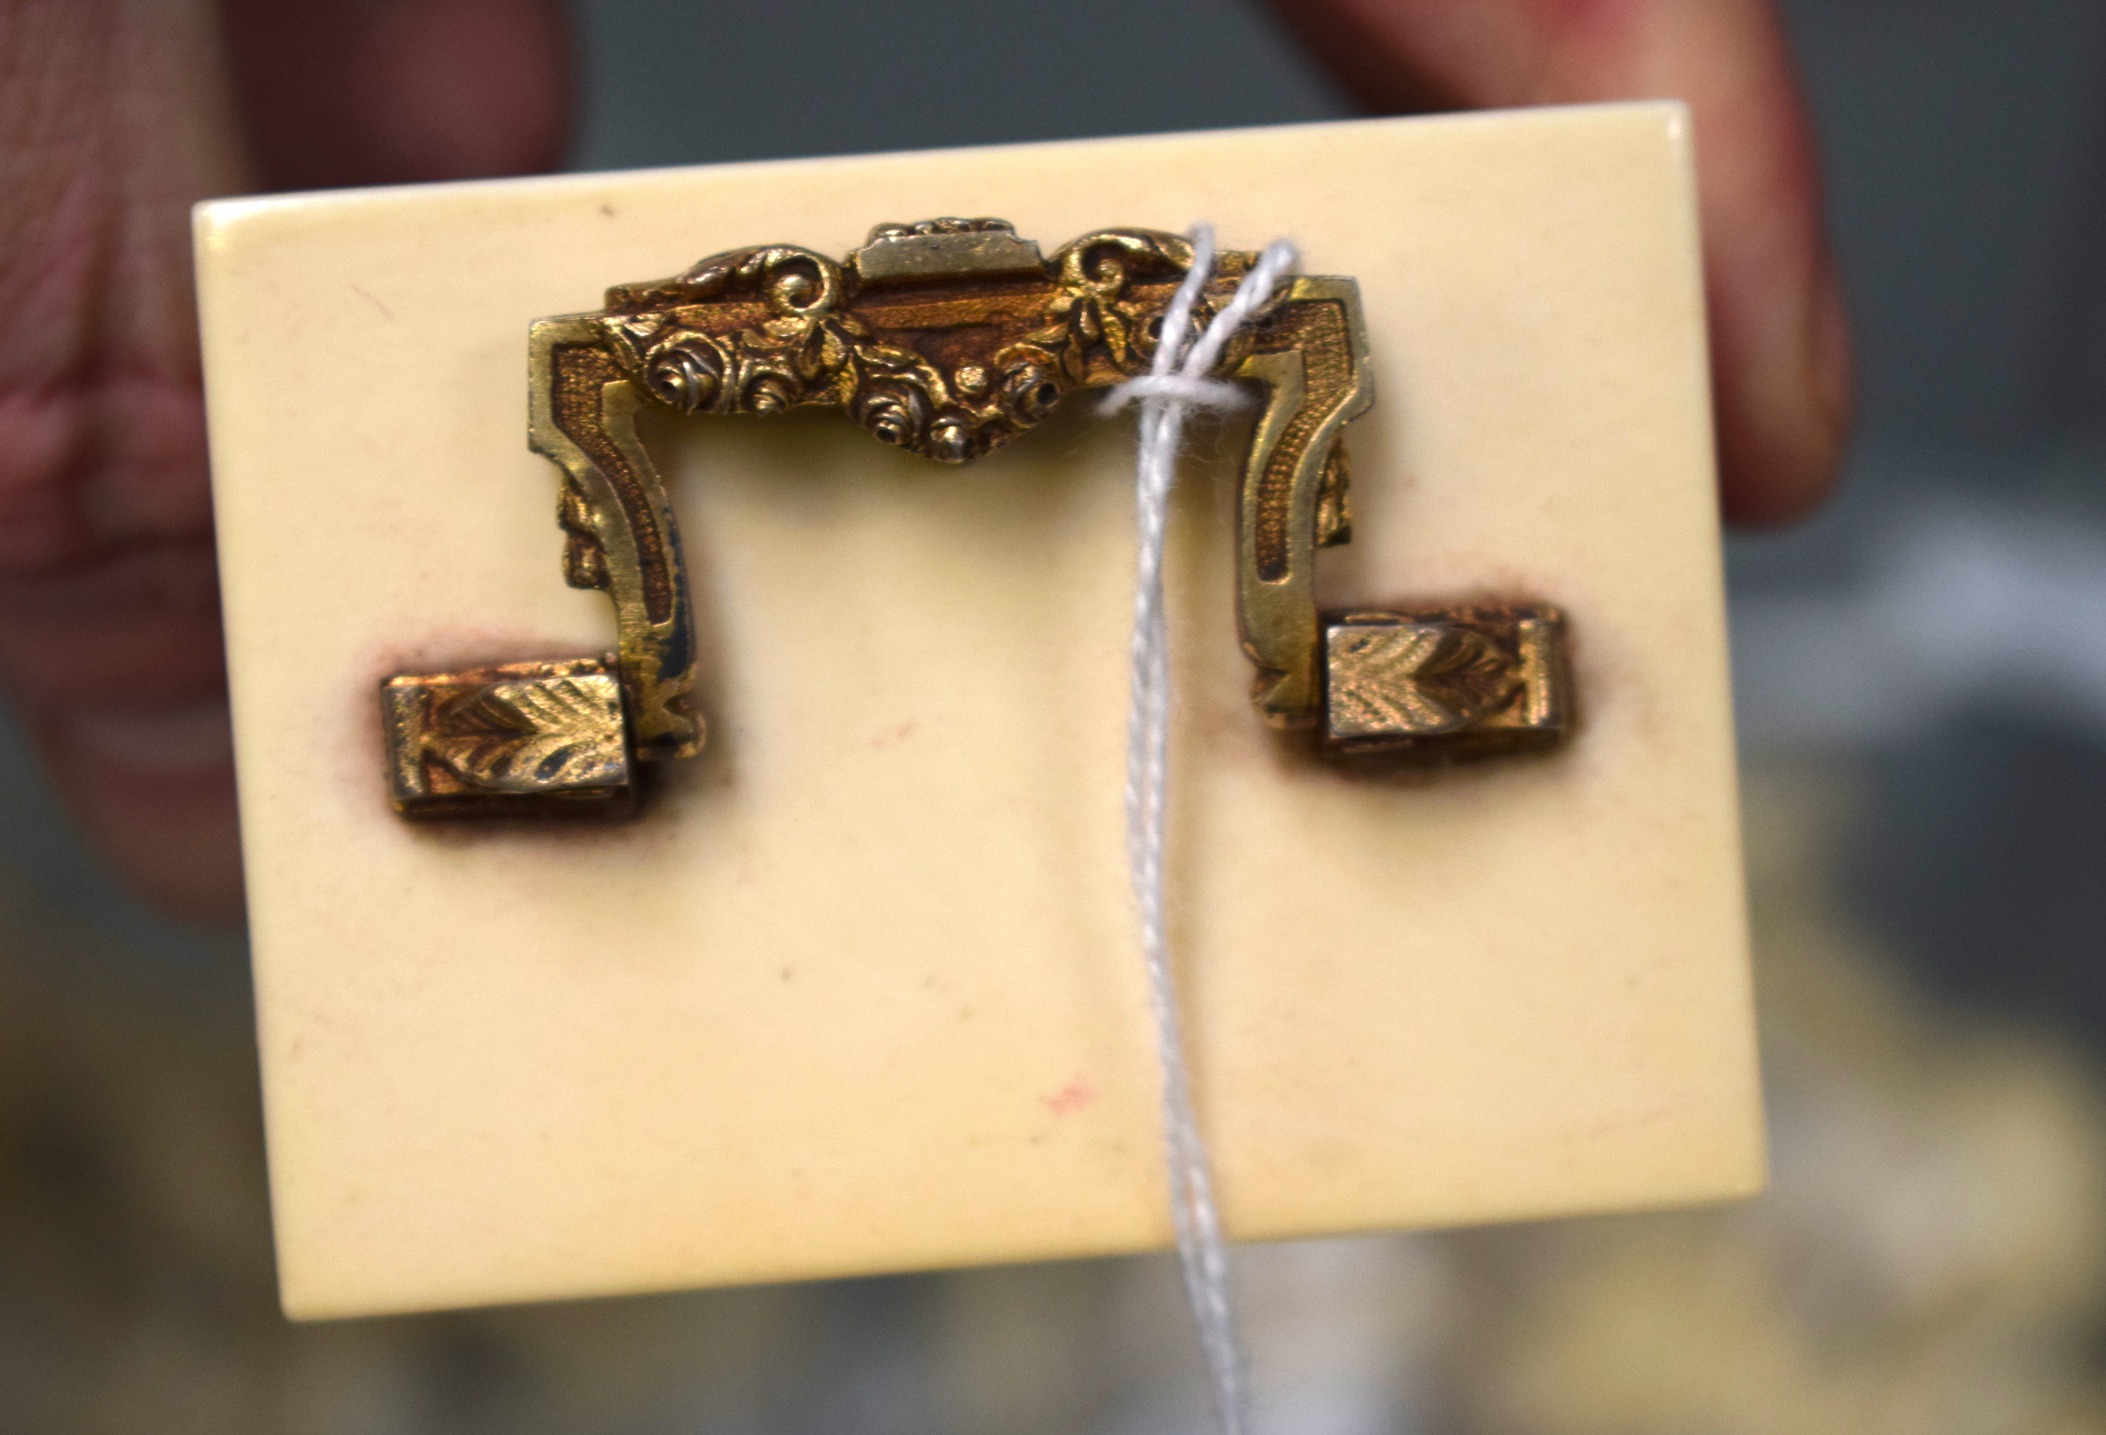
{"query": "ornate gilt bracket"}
(948, 338)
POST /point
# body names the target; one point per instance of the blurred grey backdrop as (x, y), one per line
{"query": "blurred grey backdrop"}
(1966, 152)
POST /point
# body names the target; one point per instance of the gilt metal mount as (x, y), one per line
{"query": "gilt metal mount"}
(947, 338)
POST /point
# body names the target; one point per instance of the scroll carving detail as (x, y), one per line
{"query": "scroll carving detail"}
(947, 338)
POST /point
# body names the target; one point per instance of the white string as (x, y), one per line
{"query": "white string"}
(1178, 381)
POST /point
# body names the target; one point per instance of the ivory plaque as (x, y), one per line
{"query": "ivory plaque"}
(859, 988)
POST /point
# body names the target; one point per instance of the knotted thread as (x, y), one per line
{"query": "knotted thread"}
(1179, 381)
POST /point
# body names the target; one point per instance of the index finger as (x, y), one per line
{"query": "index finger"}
(1780, 343)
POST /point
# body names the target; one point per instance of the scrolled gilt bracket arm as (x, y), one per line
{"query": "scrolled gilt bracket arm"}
(948, 338)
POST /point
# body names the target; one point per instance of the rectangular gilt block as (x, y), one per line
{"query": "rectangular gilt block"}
(524, 738)
(858, 989)
(1466, 682)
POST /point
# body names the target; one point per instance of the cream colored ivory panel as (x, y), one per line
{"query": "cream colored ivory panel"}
(861, 991)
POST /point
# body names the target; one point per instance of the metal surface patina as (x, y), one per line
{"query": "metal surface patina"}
(947, 338)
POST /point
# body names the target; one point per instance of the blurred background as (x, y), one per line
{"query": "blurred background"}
(1921, 678)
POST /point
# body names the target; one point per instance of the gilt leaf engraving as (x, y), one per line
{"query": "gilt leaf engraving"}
(534, 736)
(1415, 678)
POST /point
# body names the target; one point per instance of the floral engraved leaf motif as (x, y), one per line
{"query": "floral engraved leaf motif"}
(830, 350)
(1419, 678)
(1386, 691)
(1118, 336)
(536, 736)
